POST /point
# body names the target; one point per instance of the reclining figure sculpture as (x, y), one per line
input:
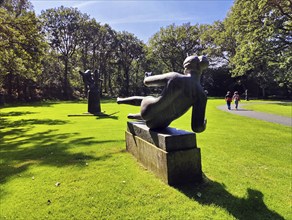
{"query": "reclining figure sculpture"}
(181, 91)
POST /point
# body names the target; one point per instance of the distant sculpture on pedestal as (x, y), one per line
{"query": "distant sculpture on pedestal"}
(181, 91)
(91, 85)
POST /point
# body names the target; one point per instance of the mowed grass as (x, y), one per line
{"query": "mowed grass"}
(278, 108)
(59, 167)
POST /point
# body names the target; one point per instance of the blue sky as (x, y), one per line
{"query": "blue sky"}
(145, 18)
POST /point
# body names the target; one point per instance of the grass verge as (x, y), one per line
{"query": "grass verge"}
(278, 108)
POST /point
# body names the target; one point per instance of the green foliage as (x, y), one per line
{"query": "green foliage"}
(62, 27)
(218, 42)
(21, 49)
(129, 49)
(246, 163)
(172, 44)
(252, 45)
(263, 42)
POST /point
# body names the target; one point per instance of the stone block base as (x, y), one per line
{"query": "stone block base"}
(172, 163)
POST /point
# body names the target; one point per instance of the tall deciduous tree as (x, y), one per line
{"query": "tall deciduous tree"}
(172, 44)
(262, 31)
(98, 49)
(218, 42)
(62, 27)
(130, 48)
(106, 45)
(21, 49)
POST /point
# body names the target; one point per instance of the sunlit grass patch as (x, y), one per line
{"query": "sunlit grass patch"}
(278, 108)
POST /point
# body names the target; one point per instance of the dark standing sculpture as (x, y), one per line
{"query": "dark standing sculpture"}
(91, 85)
(181, 91)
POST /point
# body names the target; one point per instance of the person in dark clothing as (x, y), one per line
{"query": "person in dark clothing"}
(228, 99)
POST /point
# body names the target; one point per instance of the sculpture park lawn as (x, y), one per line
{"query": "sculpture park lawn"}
(279, 108)
(59, 167)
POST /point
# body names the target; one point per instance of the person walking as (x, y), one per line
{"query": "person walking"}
(236, 99)
(228, 99)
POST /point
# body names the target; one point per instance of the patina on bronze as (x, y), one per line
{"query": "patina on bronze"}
(181, 91)
(91, 85)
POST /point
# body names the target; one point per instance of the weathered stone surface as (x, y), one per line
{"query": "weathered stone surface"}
(168, 139)
(173, 167)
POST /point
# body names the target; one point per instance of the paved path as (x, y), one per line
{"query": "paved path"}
(258, 115)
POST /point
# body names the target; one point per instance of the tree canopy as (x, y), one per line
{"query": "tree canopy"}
(21, 49)
(40, 56)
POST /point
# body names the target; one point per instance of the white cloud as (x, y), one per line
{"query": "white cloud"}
(147, 19)
(83, 4)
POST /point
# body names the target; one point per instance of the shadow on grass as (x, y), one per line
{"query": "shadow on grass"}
(102, 101)
(33, 104)
(214, 193)
(10, 114)
(111, 116)
(21, 149)
(285, 103)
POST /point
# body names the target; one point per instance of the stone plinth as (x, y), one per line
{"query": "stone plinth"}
(169, 153)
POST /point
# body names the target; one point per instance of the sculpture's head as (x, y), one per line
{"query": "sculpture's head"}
(88, 73)
(196, 63)
(88, 77)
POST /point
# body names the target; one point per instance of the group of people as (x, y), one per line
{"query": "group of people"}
(229, 98)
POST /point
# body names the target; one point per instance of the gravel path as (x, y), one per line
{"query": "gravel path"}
(258, 115)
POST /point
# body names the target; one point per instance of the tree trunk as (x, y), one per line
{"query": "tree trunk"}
(264, 92)
(65, 81)
(85, 57)
(127, 81)
(9, 87)
(110, 83)
(105, 80)
(18, 89)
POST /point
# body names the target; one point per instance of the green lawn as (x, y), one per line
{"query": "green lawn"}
(278, 108)
(247, 164)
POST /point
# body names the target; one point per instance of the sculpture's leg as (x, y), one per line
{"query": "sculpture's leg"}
(134, 100)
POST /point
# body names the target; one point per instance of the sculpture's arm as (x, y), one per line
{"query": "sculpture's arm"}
(158, 80)
(83, 77)
(198, 115)
(81, 73)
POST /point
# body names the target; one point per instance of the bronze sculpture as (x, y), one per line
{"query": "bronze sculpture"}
(181, 91)
(91, 85)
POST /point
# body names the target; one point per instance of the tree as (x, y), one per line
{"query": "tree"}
(263, 41)
(129, 49)
(107, 46)
(98, 50)
(62, 27)
(218, 43)
(21, 49)
(50, 81)
(172, 44)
